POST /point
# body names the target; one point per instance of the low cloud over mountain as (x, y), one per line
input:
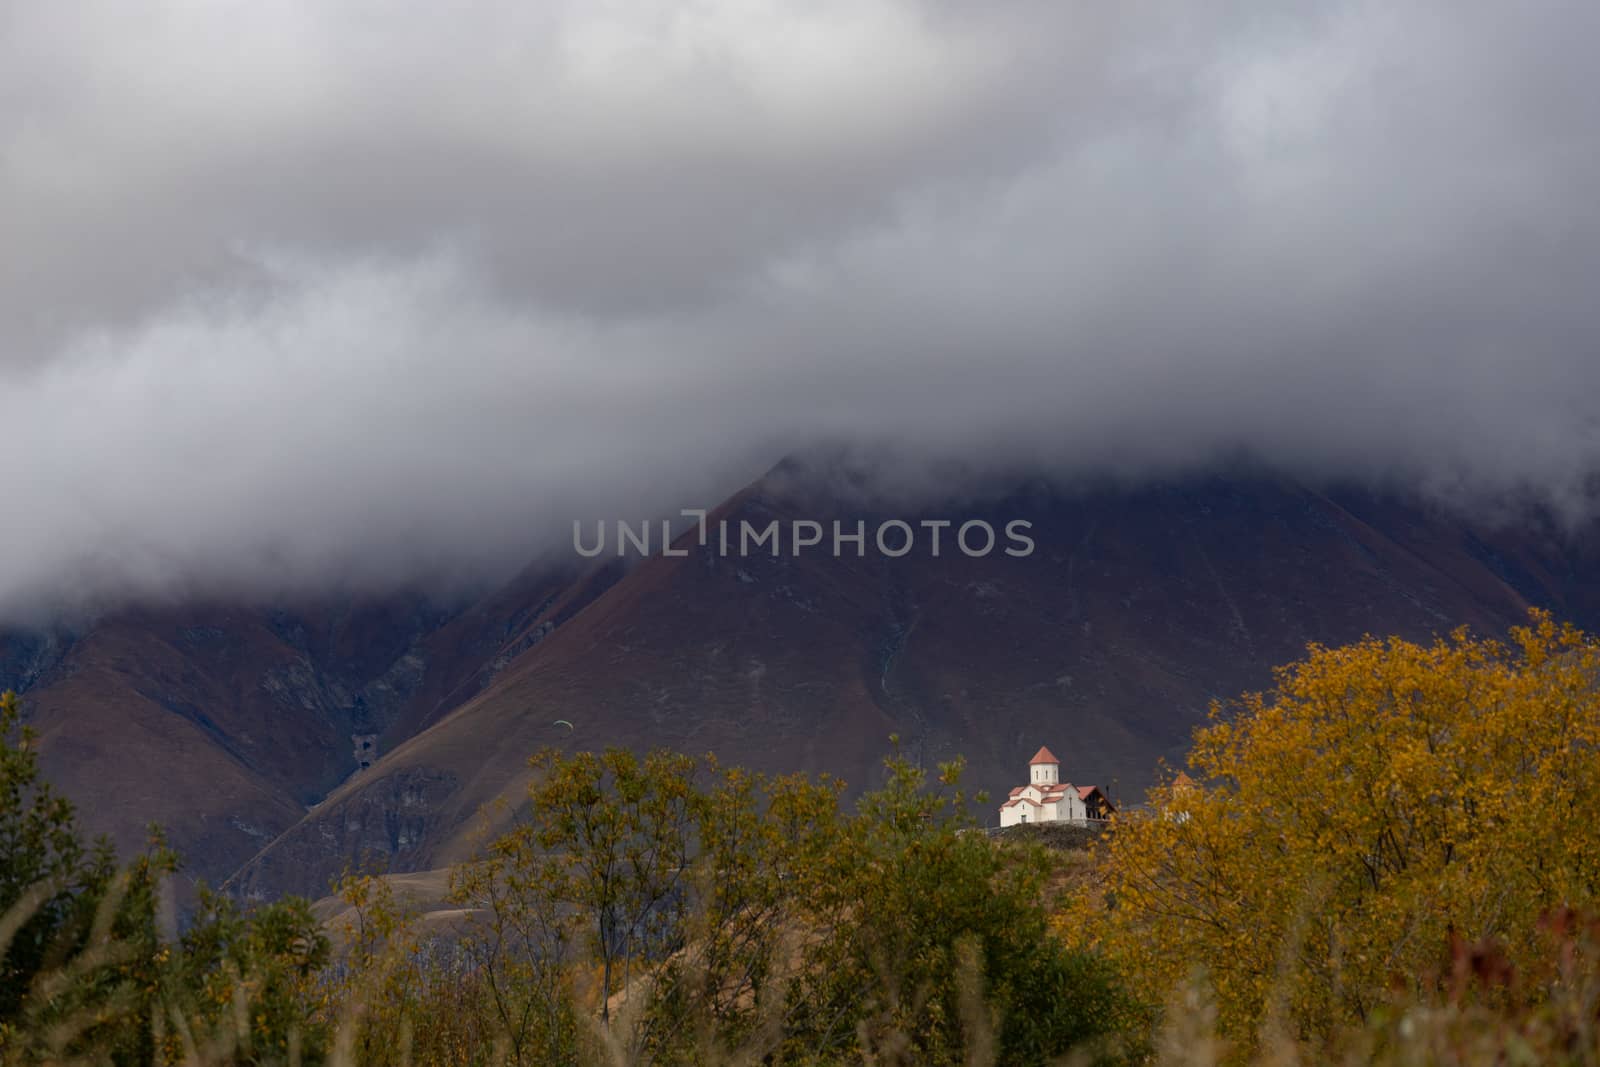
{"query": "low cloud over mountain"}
(314, 294)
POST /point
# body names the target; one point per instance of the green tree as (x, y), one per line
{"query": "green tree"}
(724, 994)
(617, 834)
(768, 923)
(79, 952)
(933, 942)
(249, 982)
(519, 943)
(45, 870)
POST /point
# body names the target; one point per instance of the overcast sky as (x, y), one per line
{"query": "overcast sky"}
(316, 291)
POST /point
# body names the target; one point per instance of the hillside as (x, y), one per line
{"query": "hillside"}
(223, 723)
(236, 727)
(1138, 607)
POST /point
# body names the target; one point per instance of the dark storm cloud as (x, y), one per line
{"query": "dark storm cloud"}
(302, 294)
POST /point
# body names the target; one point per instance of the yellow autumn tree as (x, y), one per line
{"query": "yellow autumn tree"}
(1386, 800)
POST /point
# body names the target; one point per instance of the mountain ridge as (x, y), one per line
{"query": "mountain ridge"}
(1139, 607)
(240, 728)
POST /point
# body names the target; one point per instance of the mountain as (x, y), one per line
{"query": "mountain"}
(278, 743)
(223, 723)
(1137, 607)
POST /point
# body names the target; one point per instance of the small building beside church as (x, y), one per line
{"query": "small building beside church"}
(1046, 798)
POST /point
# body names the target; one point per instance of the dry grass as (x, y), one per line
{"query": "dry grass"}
(1487, 1014)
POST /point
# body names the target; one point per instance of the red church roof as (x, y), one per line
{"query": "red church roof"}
(1043, 756)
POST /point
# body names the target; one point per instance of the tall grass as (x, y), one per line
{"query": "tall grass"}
(84, 1010)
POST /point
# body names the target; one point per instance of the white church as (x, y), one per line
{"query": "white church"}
(1046, 798)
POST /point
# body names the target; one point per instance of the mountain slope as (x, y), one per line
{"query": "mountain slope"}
(223, 723)
(1137, 608)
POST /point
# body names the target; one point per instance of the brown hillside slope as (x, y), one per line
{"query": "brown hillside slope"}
(1136, 609)
(223, 723)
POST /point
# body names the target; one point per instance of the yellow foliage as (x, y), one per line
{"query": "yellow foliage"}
(1386, 800)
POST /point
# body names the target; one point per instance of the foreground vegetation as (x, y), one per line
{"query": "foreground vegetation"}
(656, 910)
(1393, 857)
